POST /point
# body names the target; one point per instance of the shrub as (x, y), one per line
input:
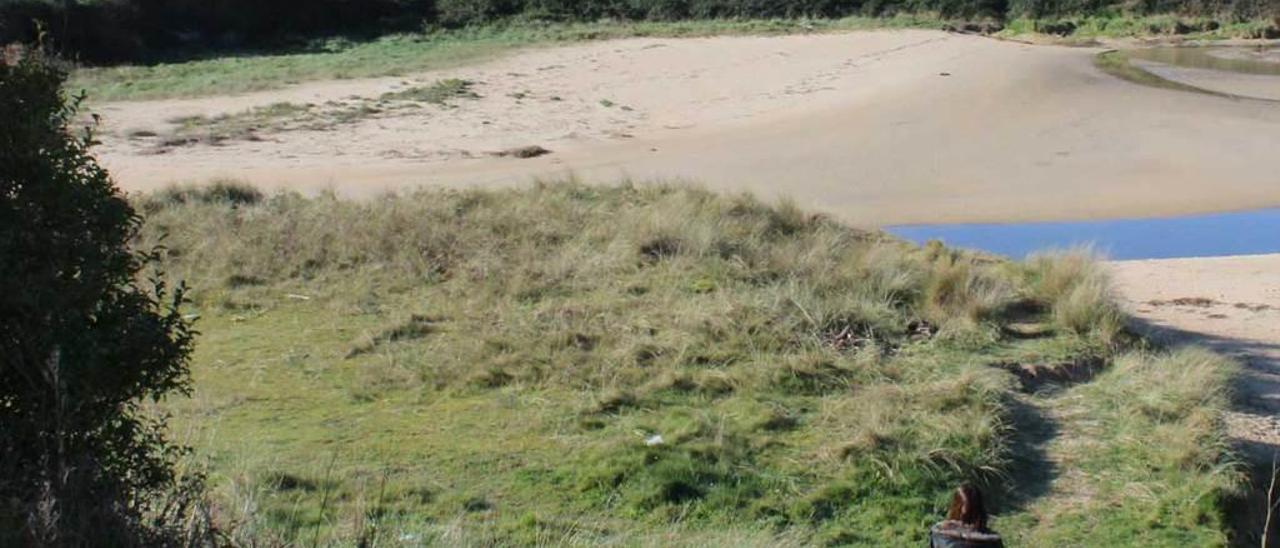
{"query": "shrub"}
(82, 343)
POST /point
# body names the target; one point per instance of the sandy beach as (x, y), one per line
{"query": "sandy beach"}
(879, 127)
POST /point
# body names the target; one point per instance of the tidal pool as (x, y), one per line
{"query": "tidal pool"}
(1244, 233)
(1240, 60)
(1229, 71)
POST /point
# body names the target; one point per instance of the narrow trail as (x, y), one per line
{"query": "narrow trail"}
(1231, 305)
(1052, 434)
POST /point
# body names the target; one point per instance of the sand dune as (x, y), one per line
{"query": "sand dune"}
(875, 127)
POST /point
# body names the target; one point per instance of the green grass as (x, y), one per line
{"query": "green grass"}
(1092, 27)
(439, 93)
(404, 54)
(492, 367)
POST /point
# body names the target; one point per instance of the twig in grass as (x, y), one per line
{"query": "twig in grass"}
(324, 499)
(1271, 500)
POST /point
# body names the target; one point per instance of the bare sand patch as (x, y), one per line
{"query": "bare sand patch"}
(876, 127)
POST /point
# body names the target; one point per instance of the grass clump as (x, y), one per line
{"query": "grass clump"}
(614, 364)
(439, 93)
(1078, 292)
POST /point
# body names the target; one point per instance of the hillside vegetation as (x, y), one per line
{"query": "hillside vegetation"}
(660, 365)
(113, 31)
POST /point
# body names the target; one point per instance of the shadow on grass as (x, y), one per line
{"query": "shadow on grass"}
(1257, 398)
(1031, 472)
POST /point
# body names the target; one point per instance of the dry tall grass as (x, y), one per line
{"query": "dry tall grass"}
(830, 381)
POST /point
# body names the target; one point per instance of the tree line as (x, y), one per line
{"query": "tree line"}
(111, 31)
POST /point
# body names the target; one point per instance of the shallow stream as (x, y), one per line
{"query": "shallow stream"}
(1243, 233)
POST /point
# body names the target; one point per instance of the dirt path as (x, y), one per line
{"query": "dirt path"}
(1231, 304)
(875, 127)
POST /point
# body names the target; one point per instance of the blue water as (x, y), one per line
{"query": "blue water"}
(1245, 233)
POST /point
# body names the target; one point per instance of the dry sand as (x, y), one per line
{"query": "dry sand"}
(876, 127)
(1230, 304)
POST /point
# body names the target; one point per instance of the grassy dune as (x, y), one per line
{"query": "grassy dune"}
(656, 365)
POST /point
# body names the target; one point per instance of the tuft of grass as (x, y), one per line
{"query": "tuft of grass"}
(523, 153)
(1078, 293)
(219, 193)
(625, 364)
(961, 289)
(439, 93)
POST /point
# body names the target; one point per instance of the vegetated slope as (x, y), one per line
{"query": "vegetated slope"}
(147, 30)
(663, 365)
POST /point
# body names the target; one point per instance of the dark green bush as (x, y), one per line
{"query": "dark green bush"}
(108, 31)
(83, 343)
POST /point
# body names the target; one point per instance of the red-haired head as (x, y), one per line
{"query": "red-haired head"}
(968, 508)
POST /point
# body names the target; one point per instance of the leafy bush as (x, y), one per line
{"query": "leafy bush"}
(82, 343)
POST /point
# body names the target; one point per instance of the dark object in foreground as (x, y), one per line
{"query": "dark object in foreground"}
(966, 523)
(523, 153)
(85, 341)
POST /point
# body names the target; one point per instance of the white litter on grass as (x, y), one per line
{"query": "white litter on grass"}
(653, 440)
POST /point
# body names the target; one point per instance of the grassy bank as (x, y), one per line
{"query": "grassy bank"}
(663, 366)
(403, 54)
(408, 53)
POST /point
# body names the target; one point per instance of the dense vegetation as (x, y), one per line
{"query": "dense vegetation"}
(139, 30)
(659, 365)
(83, 343)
